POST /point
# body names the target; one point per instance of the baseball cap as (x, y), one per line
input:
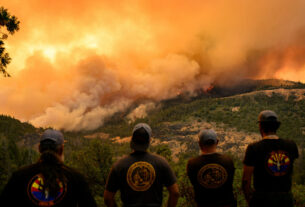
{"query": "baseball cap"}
(207, 134)
(267, 116)
(141, 135)
(53, 135)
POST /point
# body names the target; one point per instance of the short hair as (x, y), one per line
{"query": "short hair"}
(49, 145)
(270, 126)
(207, 143)
(140, 136)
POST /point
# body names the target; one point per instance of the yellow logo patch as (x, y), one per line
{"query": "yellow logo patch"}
(140, 176)
(212, 176)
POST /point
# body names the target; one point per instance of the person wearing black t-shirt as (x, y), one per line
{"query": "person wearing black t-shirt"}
(211, 174)
(270, 161)
(48, 182)
(140, 176)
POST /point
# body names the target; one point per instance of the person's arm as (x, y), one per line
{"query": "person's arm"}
(295, 150)
(189, 171)
(109, 199)
(249, 163)
(173, 195)
(7, 197)
(169, 180)
(246, 182)
(112, 185)
(85, 198)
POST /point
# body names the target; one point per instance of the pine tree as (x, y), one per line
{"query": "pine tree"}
(10, 24)
(4, 162)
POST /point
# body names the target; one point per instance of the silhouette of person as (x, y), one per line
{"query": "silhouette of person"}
(140, 176)
(48, 182)
(211, 174)
(270, 161)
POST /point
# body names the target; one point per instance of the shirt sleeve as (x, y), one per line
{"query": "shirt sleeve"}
(169, 177)
(295, 150)
(249, 159)
(189, 171)
(112, 184)
(7, 197)
(84, 195)
(232, 167)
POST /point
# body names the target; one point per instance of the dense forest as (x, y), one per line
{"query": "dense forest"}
(95, 156)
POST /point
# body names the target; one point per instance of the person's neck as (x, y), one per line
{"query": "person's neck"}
(271, 135)
(208, 151)
(139, 152)
(62, 157)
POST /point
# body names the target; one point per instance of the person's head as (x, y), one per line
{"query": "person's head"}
(140, 139)
(51, 148)
(208, 140)
(268, 122)
(52, 141)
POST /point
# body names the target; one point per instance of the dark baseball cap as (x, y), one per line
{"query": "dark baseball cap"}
(267, 116)
(207, 134)
(141, 135)
(54, 135)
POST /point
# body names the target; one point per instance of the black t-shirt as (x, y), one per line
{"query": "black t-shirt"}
(140, 177)
(212, 176)
(272, 160)
(25, 189)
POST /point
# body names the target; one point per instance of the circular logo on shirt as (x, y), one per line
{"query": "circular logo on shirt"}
(212, 176)
(41, 197)
(140, 176)
(278, 163)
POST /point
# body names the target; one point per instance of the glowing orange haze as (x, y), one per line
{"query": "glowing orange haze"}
(76, 63)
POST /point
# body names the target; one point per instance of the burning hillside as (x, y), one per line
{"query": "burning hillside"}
(76, 65)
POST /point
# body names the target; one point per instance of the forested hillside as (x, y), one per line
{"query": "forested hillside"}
(14, 151)
(175, 121)
(175, 126)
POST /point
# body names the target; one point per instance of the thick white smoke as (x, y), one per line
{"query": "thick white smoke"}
(77, 63)
(141, 111)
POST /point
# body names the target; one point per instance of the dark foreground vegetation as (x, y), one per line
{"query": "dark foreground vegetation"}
(94, 157)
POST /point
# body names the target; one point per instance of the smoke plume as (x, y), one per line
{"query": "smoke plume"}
(141, 111)
(76, 63)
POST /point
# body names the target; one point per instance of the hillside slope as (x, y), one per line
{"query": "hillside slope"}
(239, 112)
(175, 125)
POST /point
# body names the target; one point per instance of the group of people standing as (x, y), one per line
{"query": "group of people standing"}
(141, 175)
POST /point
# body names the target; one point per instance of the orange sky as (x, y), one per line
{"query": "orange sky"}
(77, 62)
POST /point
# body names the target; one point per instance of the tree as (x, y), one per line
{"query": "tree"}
(10, 24)
(94, 161)
(4, 162)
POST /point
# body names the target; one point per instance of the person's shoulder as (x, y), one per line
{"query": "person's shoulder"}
(288, 141)
(24, 173)
(226, 160)
(224, 157)
(71, 170)
(73, 174)
(157, 158)
(255, 144)
(290, 144)
(28, 169)
(193, 160)
(122, 161)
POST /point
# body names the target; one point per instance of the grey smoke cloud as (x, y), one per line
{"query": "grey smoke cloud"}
(75, 66)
